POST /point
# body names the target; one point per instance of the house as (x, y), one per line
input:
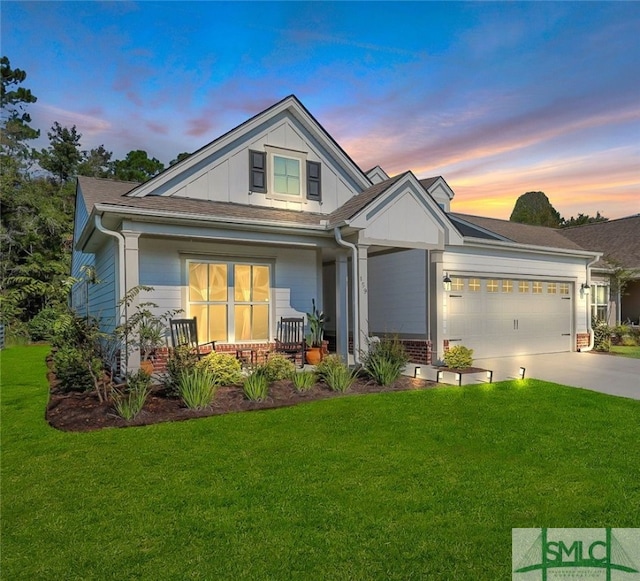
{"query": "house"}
(619, 241)
(274, 213)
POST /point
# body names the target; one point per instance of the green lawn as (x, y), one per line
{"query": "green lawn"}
(413, 485)
(626, 351)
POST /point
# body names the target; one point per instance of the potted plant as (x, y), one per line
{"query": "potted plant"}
(315, 336)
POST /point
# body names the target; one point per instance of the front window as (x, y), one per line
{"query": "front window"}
(599, 302)
(230, 300)
(286, 175)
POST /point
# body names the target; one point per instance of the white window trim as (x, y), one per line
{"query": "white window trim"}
(299, 156)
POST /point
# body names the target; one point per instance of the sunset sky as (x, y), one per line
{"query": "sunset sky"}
(498, 98)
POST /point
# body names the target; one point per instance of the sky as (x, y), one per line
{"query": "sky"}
(498, 98)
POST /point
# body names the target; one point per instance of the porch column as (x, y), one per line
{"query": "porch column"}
(362, 325)
(342, 307)
(132, 278)
(437, 305)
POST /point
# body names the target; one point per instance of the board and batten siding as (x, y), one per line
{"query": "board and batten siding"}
(224, 175)
(397, 293)
(102, 295)
(163, 266)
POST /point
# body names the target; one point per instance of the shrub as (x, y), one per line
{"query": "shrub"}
(226, 369)
(129, 402)
(601, 336)
(42, 325)
(327, 364)
(256, 386)
(304, 380)
(458, 357)
(627, 341)
(180, 360)
(277, 367)
(197, 387)
(340, 378)
(74, 370)
(385, 360)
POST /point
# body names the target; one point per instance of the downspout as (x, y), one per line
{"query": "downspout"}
(592, 335)
(122, 283)
(356, 301)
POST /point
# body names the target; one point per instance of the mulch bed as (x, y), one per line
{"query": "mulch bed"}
(82, 411)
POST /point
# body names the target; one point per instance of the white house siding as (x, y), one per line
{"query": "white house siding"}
(397, 295)
(163, 265)
(224, 176)
(486, 322)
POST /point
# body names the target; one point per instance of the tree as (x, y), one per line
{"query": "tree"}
(137, 167)
(583, 219)
(15, 120)
(179, 157)
(96, 163)
(535, 208)
(63, 155)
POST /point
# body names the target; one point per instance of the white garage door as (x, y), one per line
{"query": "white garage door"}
(500, 317)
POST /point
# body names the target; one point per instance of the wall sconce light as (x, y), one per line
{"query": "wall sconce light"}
(521, 372)
(417, 372)
(586, 289)
(446, 282)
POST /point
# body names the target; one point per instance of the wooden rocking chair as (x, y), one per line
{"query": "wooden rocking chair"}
(290, 340)
(184, 333)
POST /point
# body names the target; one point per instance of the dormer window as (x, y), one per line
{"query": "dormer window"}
(285, 174)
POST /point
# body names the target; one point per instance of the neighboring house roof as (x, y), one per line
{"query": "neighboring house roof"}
(428, 182)
(617, 239)
(520, 233)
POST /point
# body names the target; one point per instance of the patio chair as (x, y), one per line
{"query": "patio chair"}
(184, 333)
(290, 338)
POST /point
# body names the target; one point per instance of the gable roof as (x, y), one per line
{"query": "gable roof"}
(520, 233)
(290, 104)
(353, 205)
(617, 239)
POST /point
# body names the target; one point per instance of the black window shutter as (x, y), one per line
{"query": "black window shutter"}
(314, 191)
(258, 171)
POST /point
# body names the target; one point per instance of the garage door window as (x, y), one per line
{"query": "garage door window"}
(457, 284)
(507, 286)
(537, 288)
(523, 286)
(474, 285)
(551, 288)
(492, 286)
(563, 288)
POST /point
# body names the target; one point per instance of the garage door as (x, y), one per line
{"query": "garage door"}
(500, 317)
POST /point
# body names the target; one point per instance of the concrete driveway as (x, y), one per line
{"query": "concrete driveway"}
(609, 374)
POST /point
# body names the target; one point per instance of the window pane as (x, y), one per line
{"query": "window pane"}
(293, 186)
(492, 286)
(260, 284)
(279, 165)
(280, 183)
(551, 288)
(261, 322)
(217, 323)
(601, 294)
(200, 312)
(537, 288)
(474, 284)
(217, 282)
(242, 314)
(293, 168)
(198, 282)
(457, 284)
(507, 286)
(523, 286)
(242, 289)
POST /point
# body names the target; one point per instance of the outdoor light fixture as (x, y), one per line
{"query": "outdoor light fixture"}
(459, 378)
(446, 281)
(489, 376)
(521, 372)
(416, 372)
(440, 376)
(586, 289)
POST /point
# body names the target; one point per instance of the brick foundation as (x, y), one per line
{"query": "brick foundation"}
(582, 340)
